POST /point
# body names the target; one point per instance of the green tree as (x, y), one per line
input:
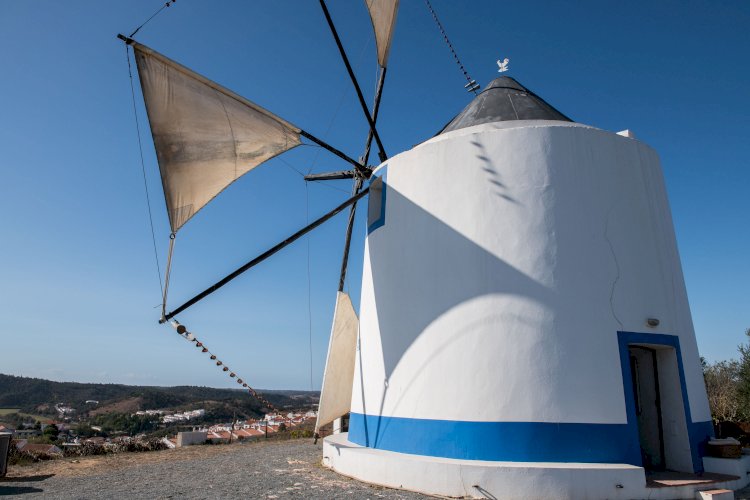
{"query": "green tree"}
(722, 387)
(51, 430)
(84, 430)
(743, 386)
(49, 434)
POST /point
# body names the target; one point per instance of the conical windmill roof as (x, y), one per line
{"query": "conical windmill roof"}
(504, 99)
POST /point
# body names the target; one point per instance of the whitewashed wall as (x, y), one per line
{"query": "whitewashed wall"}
(510, 257)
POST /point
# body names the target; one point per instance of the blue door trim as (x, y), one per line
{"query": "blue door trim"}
(698, 432)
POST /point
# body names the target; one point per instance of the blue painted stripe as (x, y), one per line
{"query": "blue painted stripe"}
(500, 441)
(531, 441)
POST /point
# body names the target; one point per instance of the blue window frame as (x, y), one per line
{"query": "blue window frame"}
(376, 202)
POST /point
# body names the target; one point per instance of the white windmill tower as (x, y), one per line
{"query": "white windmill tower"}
(524, 326)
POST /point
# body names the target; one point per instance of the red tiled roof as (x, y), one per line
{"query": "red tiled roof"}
(218, 435)
(41, 448)
(243, 433)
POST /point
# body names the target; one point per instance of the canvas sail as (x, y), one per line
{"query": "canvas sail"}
(336, 394)
(205, 136)
(383, 17)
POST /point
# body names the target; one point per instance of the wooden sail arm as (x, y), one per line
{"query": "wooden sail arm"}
(358, 183)
(375, 109)
(260, 258)
(327, 176)
(348, 239)
(332, 176)
(362, 169)
(363, 104)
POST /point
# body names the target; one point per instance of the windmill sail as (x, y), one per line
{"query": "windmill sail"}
(336, 394)
(205, 136)
(383, 17)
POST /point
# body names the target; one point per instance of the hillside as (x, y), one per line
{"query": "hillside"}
(39, 395)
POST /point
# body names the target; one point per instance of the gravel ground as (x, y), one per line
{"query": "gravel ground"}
(264, 470)
(261, 470)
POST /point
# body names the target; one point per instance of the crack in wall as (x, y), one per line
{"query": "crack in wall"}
(617, 265)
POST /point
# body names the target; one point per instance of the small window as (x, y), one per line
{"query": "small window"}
(376, 205)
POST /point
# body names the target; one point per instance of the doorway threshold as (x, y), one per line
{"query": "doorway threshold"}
(670, 479)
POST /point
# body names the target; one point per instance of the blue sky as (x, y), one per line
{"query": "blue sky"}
(79, 283)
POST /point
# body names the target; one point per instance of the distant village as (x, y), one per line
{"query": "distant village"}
(270, 424)
(62, 436)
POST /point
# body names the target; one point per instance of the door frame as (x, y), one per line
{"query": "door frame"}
(698, 434)
(636, 379)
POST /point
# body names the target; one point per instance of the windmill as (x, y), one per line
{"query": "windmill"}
(524, 328)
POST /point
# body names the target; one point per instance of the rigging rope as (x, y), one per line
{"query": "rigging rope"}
(170, 2)
(472, 85)
(162, 290)
(183, 332)
(309, 286)
(166, 276)
(344, 93)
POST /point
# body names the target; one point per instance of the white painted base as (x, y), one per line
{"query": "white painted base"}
(501, 480)
(739, 467)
